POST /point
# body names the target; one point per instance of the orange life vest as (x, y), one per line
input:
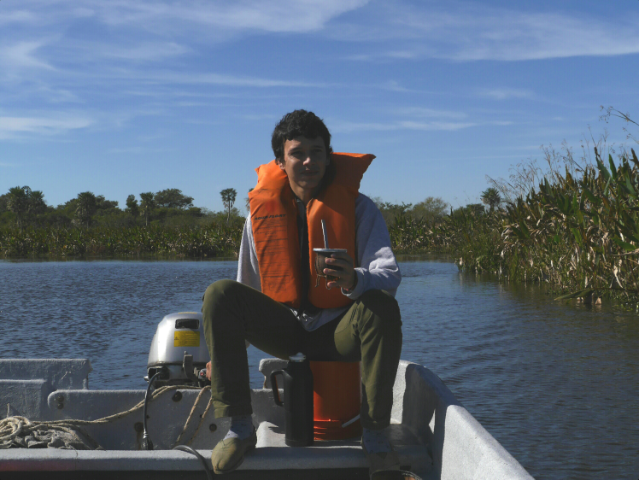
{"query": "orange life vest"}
(274, 222)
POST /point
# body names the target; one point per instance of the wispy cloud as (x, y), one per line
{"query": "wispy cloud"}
(220, 79)
(13, 126)
(435, 125)
(349, 127)
(281, 16)
(16, 16)
(470, 31)
(142, 52)
(22, 55)
(395, 86)
(156, 78)
(56, 45)
(259, 117)
(386, 55)
(424, 112)
(166, 18)
(136, 150)
(506, 93)
(418, 119)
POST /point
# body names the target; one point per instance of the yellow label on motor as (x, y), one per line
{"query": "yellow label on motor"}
(186, 339)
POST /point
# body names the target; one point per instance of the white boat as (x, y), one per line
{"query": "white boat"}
(435, 436)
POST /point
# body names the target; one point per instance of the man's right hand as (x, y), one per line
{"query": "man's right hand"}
(344, 274)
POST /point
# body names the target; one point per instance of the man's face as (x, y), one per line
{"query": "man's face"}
(305, 162)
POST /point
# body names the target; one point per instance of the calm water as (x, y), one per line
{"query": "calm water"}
(556, 384)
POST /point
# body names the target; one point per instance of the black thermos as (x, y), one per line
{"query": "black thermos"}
(298, 400)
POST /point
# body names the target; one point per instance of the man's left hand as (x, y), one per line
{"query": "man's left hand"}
(343, 273)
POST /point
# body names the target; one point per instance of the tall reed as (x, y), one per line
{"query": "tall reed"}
(580, 235)
(577, 231)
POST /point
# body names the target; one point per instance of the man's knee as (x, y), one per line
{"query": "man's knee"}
(384, 309)
(218, 289)
(216, 298)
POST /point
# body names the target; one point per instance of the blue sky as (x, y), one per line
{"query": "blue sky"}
(122, 97)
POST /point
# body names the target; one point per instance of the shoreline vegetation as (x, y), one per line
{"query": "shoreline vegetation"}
(207, 241)
(572, 224)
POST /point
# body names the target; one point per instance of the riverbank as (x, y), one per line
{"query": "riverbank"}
(209, 241)
(577, 231)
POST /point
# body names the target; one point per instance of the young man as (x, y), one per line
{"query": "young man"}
(276, 304)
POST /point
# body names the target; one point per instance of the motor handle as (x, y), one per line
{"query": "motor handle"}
(201, 378)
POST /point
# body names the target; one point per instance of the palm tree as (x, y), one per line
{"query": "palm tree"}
(37, 205)
(18, 203)
(36, 202)
(491, 197)
(87, 205)
(147, 205)
(228, 199)
(132, 206)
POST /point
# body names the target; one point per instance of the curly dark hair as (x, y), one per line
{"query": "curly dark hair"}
(299, 123)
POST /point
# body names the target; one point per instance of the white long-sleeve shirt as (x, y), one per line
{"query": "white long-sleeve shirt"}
(377, 267)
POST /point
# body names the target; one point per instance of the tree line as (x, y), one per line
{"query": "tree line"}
(433, 209)
(22, 206)
(573, 224)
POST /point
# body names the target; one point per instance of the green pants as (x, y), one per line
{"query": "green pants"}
(370, 331)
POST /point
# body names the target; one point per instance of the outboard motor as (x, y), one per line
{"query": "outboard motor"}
(179, 350)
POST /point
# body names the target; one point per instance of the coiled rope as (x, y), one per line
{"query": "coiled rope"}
(206, 410)
(69, 433)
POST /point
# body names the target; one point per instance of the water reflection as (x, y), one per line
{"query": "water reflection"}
(554, 382)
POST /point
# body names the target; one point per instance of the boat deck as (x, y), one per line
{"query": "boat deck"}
(434, 435)
(327, 459)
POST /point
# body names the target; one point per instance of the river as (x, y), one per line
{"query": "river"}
(556, 383)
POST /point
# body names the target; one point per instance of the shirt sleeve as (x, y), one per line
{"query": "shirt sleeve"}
(248, 270)
(378, 268)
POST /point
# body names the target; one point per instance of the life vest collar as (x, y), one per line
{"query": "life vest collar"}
(275, 233)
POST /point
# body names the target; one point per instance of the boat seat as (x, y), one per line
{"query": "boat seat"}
(338, 455)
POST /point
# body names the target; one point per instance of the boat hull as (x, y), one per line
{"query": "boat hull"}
(435, 436)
